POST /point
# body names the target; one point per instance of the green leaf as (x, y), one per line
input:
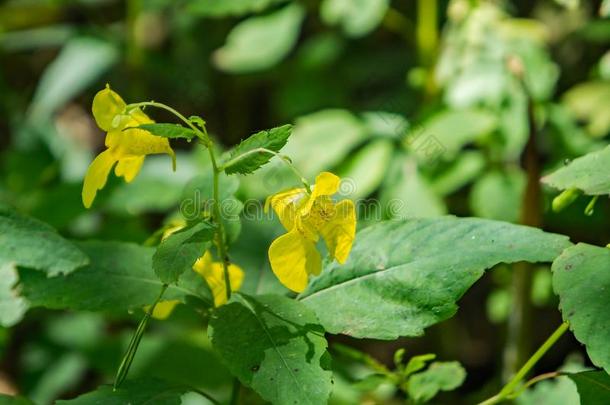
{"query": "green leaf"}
(593, 387)
(273, 139)
(365, 170)
(179, 251)
(604, 8)
(274, 345)
(172, 131)
(27, 242)
(440, 376)
(403, 276)
(466, 168)
(417, 363)
(581, 278)
(144, 391)
(12, 307)
(120, 278)
(588, 173)
(588, 101)
(261, 42)
(356, 17)
(215, 8)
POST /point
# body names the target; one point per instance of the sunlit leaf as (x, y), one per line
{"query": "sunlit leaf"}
(27, 242)
(404, 276)
(12, 307)
(588, 173)
(356, 17)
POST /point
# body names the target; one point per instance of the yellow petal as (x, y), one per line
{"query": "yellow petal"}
(106, 106)
(163, 309)
(327, 184)
(213, 272)
(129, 167)
(96, 176)
(293, 257)
(286, 204)
(339, 232)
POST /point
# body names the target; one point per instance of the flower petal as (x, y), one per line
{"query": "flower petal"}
(163, 309)
(339, 232)
(107, 104)
(213, 272)
(327, 184)
(129, 167)
(293, 258)
(96, 176)
(286, 204)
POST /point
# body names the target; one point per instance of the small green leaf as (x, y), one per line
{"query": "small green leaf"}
(179, 252)
(143, 391)
(261, 42)
(588, 173)
(120, 278)
(417, 363)
(12, 307)
(172, 131)
(27, 242)
(593, 387)
(581, 278)
(404, 276)
(440, 376)
(274, 345)
(273, 139)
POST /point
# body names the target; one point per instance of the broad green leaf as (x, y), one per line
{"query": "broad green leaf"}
(356, 17)
(260, 42)
(588, 173)
(498, 195)
(581, 278)
(365, 170)
(144, 391)
(215, 8)
(27, 242)
(385, 124)
(452, 129)
(593, 387)
(404, 276)
(273, 139)
(12, 307)
(172, 131)
(80, 62)
(179, 251)
(440, 376)
(274, 345)
(120, 278)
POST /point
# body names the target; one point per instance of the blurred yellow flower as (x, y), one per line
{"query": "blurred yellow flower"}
(306, 217)
(125, 147)
(213, 273)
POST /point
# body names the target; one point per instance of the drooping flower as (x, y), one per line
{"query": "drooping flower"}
(306, 217)
(126, 146)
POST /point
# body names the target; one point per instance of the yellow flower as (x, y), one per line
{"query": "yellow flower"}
(163, 309)
(125, 147)
(213, 273)
(293, 256)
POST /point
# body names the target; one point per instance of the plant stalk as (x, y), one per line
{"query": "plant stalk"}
(509, 388)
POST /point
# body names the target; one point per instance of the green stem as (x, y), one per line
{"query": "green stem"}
(426, 32)
(235, 392)
(135, 342)
(220, 236)
(510, 387)
(283, 158)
